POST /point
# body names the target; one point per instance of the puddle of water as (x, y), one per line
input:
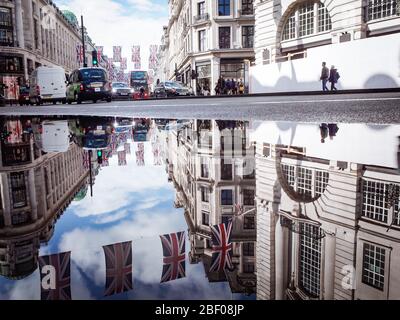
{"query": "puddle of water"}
(308, 210)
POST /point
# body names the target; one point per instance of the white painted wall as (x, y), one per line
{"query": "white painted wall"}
(363, 64)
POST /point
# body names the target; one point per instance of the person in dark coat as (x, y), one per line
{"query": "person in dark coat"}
(324, 76)
(333, 78)
(324, 132)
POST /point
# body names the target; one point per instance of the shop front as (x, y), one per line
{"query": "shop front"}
(236, 70)
(203, 83)
(11, 75)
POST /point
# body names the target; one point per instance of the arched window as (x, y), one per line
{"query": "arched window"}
(307, 19)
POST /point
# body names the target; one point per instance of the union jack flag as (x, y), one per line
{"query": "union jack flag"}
(124, 64)
(174, 256)
(86, 160)
(99, 50)
(61, 265)
(136, 54)
(118, 268)
(137, 66)
(117, 51)
(140, 159)
(79, 53)
(122, 158)
(221, 247)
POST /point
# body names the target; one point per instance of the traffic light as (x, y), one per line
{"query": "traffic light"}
(99, 156)
(94, 58)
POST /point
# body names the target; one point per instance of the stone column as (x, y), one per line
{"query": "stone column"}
(329, 270)
(19, 24)
(6, 202)
(215, 73)
(32, 194)
(281, 242)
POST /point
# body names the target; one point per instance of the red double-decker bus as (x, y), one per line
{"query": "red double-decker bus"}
(139, 82)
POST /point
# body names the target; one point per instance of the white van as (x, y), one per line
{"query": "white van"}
(52, 136)
(48, 84)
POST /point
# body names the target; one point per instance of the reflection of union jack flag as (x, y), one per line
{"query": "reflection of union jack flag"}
(122, 158)
(86, 160)
(118, 268)
(221, 247)
(140, 159)
(105, 163)
(61, 264)
(141, 147)
(127, 147)
(174, 256)
(137, 66)
(122, 138)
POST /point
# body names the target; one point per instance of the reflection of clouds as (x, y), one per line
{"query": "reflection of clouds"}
(111, 218)
(86, 243)
(144, 229)
(115, 185)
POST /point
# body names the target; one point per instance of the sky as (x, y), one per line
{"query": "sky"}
(122, 23)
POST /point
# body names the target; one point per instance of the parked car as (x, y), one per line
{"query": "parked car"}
(47, 84)
(171, 89)
(24, 96)
(88, 84)
(121, 90)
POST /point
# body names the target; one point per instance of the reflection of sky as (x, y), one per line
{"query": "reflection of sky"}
(129, 203)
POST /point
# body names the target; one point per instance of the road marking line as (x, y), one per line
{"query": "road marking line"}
(325, 100)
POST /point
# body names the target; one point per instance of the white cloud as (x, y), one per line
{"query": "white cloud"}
(110, 23)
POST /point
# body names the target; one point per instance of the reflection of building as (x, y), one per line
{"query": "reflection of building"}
(208, 38)
(35, 191)
(326, 229)
(211, 164)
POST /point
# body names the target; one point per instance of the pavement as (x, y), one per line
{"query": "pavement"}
(378, 108)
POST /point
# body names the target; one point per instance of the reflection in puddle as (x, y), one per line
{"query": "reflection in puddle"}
(314, 207)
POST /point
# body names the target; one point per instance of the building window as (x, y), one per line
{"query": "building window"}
(304, 16)
(249, 222)
(226, 171)
(288, 171)
(247, 7)
(324, 20)
(248, 249)
(248, 197)
(205, 218)
(6, 27)
(304, 181)
(248, 267)
(201, 9)
(321, 182)
(202, 40)
(224, 37)
(248, 36)
(204, 169)
(306, 20)
(378, 9)
(224, 7)
(205, 195)
(11, 64)
(18, 189)
(374, 206)
(227, 197)
(249, 171)
(289, 31)
(310, 259)
(373, 272)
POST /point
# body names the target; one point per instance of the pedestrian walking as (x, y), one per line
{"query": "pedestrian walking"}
(324, 130)
(324, 76)
(241, 87)
(333, 130)
(334, 78)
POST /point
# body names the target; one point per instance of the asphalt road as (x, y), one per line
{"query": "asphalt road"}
(348, 108)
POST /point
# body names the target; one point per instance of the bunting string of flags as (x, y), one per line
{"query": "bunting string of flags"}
(55, 270)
